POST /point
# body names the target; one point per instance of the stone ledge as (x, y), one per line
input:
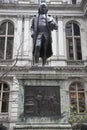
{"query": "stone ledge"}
(43, 127)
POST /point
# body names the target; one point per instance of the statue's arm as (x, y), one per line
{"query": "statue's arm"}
(52, 23)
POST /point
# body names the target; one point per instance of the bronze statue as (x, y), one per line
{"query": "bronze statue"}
(42, 25)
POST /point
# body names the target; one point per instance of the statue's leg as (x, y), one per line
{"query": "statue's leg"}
(37, 51)
(44, 57)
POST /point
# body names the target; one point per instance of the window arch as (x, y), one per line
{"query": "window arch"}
(73, 41)
(6, 40)
(77, 97)
(4, 97)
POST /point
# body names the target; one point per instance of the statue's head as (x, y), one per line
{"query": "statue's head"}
(43, 8)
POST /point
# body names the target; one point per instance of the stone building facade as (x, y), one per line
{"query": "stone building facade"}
(42, 97)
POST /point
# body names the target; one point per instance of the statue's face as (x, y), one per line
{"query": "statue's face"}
(43, 9)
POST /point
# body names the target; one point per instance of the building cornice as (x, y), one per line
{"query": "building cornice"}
(54, 9)
(35, 6)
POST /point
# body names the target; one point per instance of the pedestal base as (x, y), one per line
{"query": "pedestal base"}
(43, 127)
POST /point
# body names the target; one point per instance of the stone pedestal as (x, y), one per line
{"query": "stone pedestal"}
(44, 106)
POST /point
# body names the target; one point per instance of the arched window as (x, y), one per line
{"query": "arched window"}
(6, 40)
(73, 41)
(77, 97)
(4, 97)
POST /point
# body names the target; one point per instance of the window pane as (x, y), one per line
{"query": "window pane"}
(73, 95)
(81, 97)
(81, 105)
(73, 87)
(5, 99)
(73, 1)
(80, 88)
(10, 29)
(3, 29)
(9, 48)
(69, 29)
(2, 46)
(70, 49)
(76, 30)
(73, 104)
(5, 87)
(78, 49)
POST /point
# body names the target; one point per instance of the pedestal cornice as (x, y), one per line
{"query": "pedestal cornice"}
(32, 72)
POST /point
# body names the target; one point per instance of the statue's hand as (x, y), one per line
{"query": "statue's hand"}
(52, 25)
(32, 35)
(55, 27)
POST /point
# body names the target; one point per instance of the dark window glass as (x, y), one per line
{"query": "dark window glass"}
(9, 48)
(76, 30)
(81, 99)
(73, 102)
(78, 48)
(5, 99)
(70, 48)
(5, 88)
(2, 47)
(73, 1)
(3, 29)
(10, 29)
(69, 29)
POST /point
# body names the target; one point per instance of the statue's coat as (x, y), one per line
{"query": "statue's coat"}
(35, 31)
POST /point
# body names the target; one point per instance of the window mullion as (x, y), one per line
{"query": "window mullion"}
(6, 41)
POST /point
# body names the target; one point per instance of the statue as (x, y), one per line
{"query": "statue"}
(41, 28)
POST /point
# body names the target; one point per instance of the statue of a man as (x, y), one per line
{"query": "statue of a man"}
(42, 25)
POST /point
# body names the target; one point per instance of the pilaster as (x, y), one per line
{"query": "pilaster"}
(26, 36)
(55, 41)
(61, 53)
(18, 37)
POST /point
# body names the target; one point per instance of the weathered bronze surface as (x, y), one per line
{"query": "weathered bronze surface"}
(42, 25)
(41, 101)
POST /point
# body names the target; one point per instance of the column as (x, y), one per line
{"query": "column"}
(60, 38)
